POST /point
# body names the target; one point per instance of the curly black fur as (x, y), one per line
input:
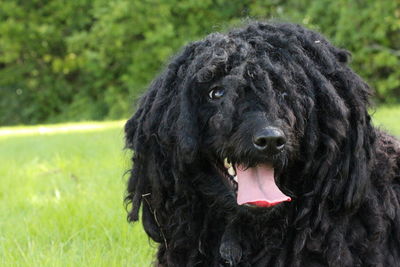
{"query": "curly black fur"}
(342, 174)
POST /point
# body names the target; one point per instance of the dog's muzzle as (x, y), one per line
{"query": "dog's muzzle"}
(269, 139)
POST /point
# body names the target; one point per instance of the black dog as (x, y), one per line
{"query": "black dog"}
(255, 148)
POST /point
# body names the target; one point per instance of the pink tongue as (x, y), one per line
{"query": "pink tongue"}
(257, 186)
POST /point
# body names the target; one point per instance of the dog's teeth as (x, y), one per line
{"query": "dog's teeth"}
(227, 164)
(232, 171)
(235, 179)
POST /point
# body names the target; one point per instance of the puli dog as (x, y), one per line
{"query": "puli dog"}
(255, 148)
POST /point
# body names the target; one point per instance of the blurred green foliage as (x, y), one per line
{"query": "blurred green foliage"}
(89, 59)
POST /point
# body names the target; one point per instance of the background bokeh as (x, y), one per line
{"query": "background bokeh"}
(89, 59)
(61, 61)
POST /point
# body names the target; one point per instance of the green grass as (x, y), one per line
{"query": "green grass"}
(387, 118)
(61, 199)
(61, 195)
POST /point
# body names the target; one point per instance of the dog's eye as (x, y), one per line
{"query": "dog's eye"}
(216, 93)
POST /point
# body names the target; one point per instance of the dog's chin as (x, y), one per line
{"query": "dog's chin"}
(253, 185)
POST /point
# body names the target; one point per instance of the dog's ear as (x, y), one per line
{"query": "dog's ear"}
(340, 162)
(357, 150)
(148, 178)
(160, 134)
(358, 153)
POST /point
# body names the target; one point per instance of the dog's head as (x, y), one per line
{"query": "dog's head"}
(262, 115)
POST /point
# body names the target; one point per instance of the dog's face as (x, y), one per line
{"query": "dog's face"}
(267, 110)
(251, 118)
(250, 135)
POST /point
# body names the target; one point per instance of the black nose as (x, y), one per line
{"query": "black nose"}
(269, 138)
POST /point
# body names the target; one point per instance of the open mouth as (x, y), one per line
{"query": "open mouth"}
(254, 186)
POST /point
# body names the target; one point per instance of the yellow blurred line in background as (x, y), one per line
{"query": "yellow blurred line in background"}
(60, 128)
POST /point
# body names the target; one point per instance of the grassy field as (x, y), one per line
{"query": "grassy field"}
(61, 198)
(388, 119)
(61, 195)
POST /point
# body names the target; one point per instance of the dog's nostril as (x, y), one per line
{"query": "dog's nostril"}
(260, 141)
(280, 142)
(269, 138)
